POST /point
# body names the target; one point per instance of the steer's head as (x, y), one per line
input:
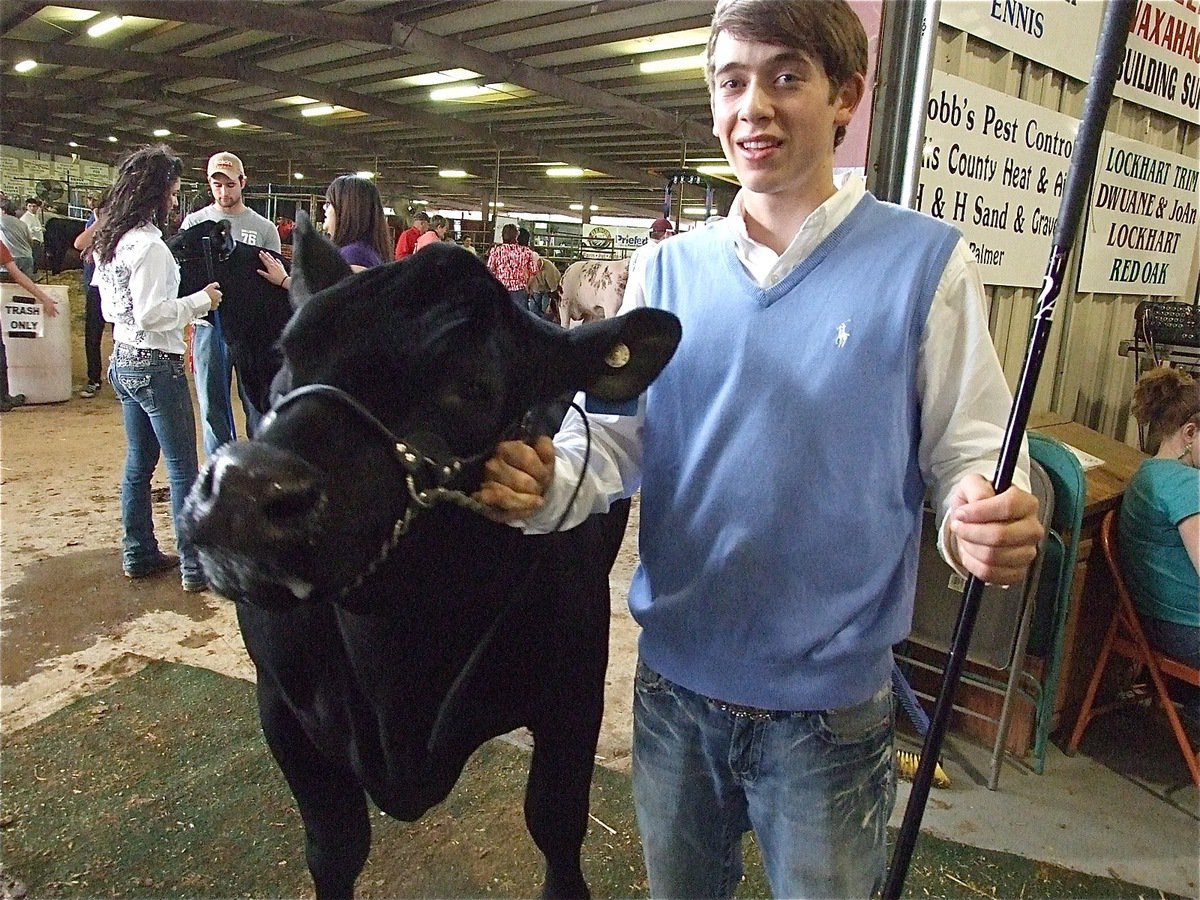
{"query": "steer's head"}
(199, 250)
(431, 351)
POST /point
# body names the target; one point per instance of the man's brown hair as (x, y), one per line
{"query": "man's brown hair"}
(828, 31)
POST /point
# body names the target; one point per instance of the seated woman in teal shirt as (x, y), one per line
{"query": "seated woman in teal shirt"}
(1159, 532)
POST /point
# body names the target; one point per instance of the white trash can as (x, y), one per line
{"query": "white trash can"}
(39, 366)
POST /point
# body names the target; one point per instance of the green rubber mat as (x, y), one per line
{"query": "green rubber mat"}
(161, 786)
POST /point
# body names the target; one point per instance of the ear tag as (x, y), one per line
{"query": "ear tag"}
(618, 356)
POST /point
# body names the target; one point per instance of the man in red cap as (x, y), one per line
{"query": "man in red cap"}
(660, 229)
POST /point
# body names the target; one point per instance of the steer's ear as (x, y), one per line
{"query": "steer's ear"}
(615, 359)
(316, 262)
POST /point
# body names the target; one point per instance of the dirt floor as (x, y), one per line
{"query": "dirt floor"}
(71, 623)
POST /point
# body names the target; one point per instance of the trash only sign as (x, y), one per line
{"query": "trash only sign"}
(23, 318)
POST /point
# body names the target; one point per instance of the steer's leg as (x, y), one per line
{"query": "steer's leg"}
(337, 826)
(556, 802)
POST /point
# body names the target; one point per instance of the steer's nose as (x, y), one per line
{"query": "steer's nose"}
(250, 494)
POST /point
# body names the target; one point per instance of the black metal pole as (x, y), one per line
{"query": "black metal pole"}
(1110, 53)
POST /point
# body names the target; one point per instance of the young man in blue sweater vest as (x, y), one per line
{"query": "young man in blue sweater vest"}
(835, 363)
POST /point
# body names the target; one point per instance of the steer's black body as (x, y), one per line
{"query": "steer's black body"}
(379, 673)
(253, 311)
(59, 244)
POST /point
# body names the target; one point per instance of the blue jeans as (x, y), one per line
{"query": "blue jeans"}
(521, 298)
(539, 303)
(817, 788)
(214, 376)
(1181, 642)
(157, 408)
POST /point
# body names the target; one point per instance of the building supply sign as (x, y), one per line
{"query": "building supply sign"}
(1161, 69)
(1142, 233)
(995, 167)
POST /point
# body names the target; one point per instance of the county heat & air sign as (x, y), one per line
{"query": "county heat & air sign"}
(995, 167)
(1142, 229)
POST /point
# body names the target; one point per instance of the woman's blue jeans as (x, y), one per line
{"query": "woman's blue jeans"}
(157, 407)
(817, 788)
(1181, 642)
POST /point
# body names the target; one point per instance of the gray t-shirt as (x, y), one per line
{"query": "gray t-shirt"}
(15, 234)
(248, 226)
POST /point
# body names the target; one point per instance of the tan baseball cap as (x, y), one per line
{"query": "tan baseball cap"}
(227, 164)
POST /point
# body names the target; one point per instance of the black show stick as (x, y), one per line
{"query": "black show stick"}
(1110, 54)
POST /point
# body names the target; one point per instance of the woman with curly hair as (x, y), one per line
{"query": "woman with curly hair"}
(1159, 530)
(139, 283)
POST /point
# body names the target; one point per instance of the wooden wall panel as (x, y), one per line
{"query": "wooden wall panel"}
(1083, 375)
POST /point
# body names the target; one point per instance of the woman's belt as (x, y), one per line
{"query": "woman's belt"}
(125, 354)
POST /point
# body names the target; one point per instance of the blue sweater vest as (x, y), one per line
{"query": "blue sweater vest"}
(781, 495)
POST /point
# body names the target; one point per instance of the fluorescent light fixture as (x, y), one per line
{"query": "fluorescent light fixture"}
(673, 64)
(104, 26)
(565, 172)
(579, 207)
(420, 202)
(445, 76)
(72, 144)
(363, 173)
(228, 123)
(462, 92)
(452, 173)
(498, 204)
(323, 110)
(112, 138)
(299, 176)
(25, 65)
(694, 210)
(725, 169)
(161, 132)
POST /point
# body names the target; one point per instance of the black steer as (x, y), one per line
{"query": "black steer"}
(392, 633)
(59, 244)
(252, 312)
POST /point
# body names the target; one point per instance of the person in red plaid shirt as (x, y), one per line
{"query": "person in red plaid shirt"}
(513, 266)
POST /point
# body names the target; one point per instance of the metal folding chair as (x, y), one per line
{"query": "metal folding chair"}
(1003, 625)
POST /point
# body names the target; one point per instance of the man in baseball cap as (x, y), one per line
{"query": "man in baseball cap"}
(660, 228)
(214, 368)
(227, 164)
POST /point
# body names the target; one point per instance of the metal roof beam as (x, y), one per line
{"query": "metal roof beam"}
(190, 67)
(383, 29)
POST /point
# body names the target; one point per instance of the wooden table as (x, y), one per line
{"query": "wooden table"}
(1105, 484)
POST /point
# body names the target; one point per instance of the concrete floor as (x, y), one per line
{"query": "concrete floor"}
(1124, 806)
